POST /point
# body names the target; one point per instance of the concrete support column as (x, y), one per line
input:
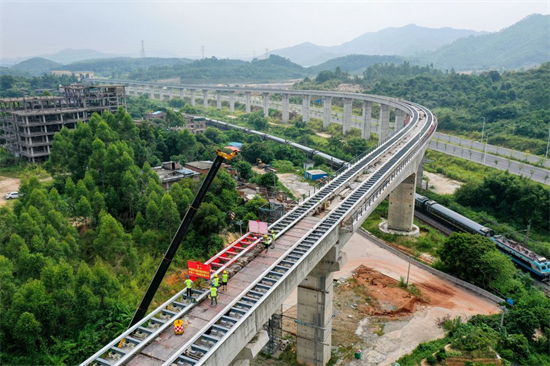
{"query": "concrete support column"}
(401, 207)
(266, 104)
(193, 95)
(284, 98)
(306, 99)
(399, 119)
(420, 171)
(347, 115)
(367, 120)
(327, 115)
(205, 99)
(314, 323)
(384, 122)
(247, 101)
(231, 101)
(218, 99)
(181, 94)
(161, 93)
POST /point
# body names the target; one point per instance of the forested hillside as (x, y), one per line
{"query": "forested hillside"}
(524, 44)
(514, 104)
(213, 69)
(77, 252)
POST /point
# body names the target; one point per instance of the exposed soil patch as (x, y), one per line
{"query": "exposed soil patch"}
(294, 183)
(385, 296)
(7, 185)
(441, 184)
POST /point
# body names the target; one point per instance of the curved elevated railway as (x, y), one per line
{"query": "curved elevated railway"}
(266, 280)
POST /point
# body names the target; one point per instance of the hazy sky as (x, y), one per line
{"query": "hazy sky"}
(231, 28)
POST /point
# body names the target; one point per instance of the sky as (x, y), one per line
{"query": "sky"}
(234, 29)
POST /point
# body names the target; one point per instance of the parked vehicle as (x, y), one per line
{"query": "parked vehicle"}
(12, 195)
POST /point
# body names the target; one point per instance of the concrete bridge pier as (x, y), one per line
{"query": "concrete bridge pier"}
(327, 115)
(305, 107)
(193, 95)
(181, 94)
(347, 115)
(161, 93)
(284, 98)
(218, 99)
(314, 323)
(384, 122)
(247, 101)
(401, 207)
(399, 119)
(266, 104)
(205, 99)
(367, 120)
(231, 101)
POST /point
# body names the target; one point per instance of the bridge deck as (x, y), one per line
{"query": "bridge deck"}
(164, 346)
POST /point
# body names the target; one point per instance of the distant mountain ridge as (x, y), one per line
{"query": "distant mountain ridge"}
(524, 44)
(399, 41)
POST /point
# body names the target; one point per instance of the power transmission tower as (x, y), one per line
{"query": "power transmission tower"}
(202, 50)
(142, 54)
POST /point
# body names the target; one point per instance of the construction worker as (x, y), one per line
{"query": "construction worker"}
(224, 280)
(267, 241)
(273, 236)
(216, 281)
(189, 284)
(213, 295)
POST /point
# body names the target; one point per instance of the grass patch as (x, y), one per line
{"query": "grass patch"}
(455, 168)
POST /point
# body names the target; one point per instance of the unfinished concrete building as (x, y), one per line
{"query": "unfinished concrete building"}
(28, 124)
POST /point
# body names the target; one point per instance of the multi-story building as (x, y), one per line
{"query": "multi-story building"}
(195, 124)
(27, 125)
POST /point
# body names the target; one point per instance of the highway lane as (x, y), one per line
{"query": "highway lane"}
(517, 155)
(537, 174)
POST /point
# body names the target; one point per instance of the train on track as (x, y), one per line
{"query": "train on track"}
(526, 259)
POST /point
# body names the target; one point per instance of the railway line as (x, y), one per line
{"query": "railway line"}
(374, 165)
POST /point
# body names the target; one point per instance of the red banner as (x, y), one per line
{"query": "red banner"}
(198, 269)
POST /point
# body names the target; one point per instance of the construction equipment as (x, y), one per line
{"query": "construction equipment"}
(259, 163)
(178, 238)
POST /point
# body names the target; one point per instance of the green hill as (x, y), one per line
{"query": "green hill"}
(354, 64)
(524, 44)
(225, 70)
(36, 66)
(120, 66)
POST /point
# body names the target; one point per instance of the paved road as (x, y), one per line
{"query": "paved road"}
(518, 155)
(468, 149)
(515, 167)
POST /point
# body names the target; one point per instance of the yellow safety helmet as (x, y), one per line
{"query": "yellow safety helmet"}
(265, 236)
(272, 232)
(224, 271)
(216, 275)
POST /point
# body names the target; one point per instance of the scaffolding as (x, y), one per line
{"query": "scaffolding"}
(274, 328)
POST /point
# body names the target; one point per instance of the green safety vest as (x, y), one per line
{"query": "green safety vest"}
(189, 283)
(216, 280)
(213, 291)
(274, 236)
(224, 277)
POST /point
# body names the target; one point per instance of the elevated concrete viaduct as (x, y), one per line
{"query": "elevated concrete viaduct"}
(306, 255)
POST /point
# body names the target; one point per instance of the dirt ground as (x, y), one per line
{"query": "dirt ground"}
(293, 182)
(7, 185)
(441, 184)
(373, 314)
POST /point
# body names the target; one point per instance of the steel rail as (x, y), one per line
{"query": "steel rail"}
(282, 225)
(201, 346)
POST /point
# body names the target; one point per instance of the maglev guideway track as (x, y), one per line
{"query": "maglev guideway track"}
(143, 343)
(202, 346)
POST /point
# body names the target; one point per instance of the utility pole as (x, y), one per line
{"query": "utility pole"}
(485, 148)
(547, 144)
(527, 233)
(142, 54)
(482, 129)
(202, 50)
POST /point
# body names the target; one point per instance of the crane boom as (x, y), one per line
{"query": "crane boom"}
(178, 237)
